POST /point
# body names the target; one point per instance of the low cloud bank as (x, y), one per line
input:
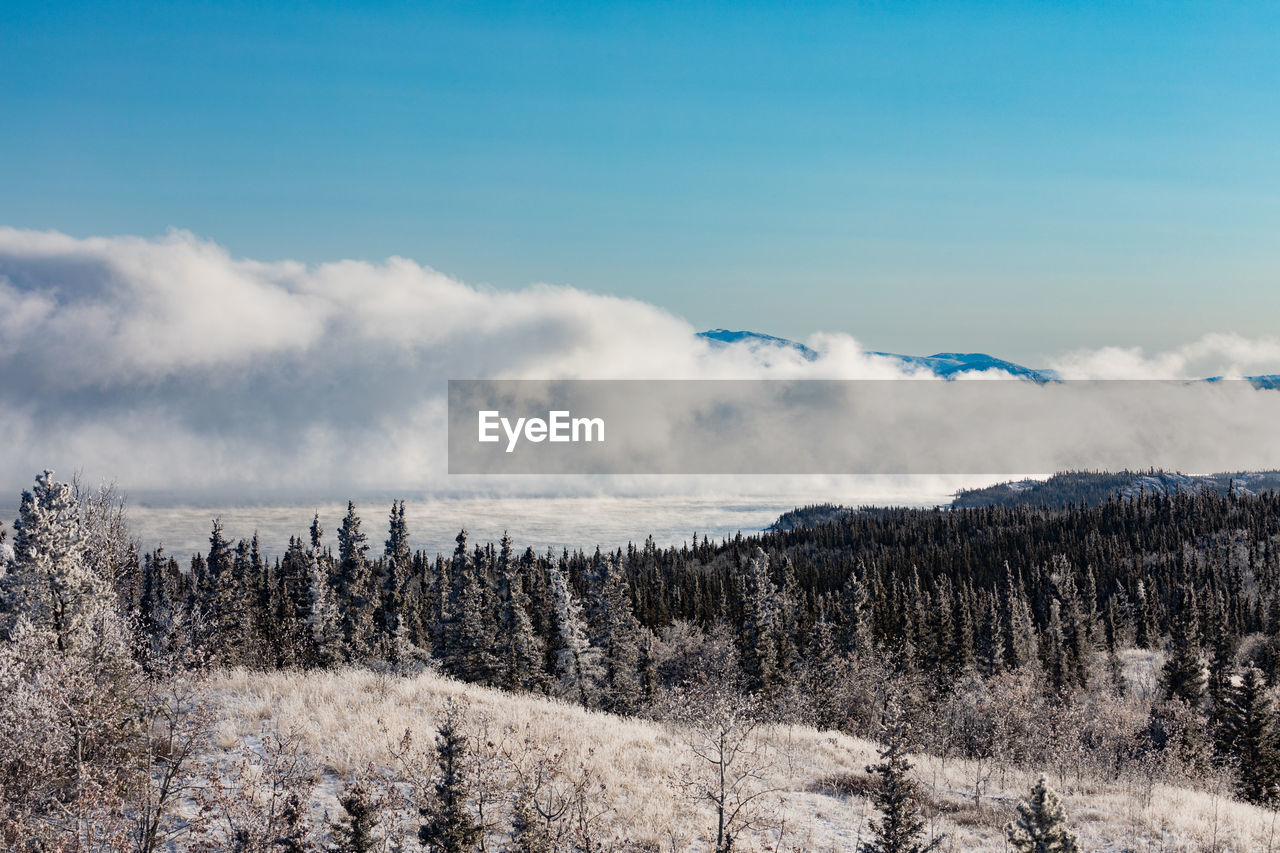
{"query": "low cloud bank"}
(171, 367)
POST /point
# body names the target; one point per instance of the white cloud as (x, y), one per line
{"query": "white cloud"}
(1217, 354)
(167, 364)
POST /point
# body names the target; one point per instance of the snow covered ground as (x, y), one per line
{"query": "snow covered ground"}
(350, 721)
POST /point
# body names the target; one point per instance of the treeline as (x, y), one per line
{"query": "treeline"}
(930, 600)
(1008, 635)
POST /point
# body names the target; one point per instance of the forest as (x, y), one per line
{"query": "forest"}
(998, 636)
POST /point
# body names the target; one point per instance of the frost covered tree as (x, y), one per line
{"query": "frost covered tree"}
(520, 648)
(1183, 675)
(354, 832)
(357, 599)
(49, 580)
(760, 624)
(1041, 826)
(290, 605)
(324, 622)
(471, 640)
(579, 669)
(159, 619)
(1250, 735)
(397, 562)
(616, 632)
(221, 600)
(899, 828)
(729, 771)
(448, 825)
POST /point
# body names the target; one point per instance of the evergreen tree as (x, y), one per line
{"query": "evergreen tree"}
(825, 676)
(1041, 826)
(900, 827)
(354, 833)
(156, 616)
(448, 825)
(990, 643)
(528, 833)
(1183, 675)
(397, 562)
(760, 625)
(616, 632)
(356, 597)
(472, 636)
(521, 649)
(578, 665)
(292, 604)
(324, 622)
(49, 580)
(1251, 738)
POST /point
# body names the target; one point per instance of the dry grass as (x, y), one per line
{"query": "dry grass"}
(349, 720)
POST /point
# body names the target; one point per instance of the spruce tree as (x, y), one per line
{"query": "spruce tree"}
(224, 603)
(1183, 675)
(760, 625)
(397, 562)
(1041, 826)
(472, 633)
(578, 666)
(448, 826)
(990, 645)
(156, 616)
(356, 597)
(324, 622)
(354, 833)
(521, 649)
(49, 580)
(615, 630)
(900, 827)
(1251, 738)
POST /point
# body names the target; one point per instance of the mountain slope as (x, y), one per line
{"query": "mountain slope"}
(1095, 487)
(348, 724)
(942, 364)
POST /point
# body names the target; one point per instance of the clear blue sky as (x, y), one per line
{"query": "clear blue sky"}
(1018, 178)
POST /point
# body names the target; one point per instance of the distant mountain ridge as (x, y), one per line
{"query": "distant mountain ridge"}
(1095, 487)
(943, 364)
(1069, 488)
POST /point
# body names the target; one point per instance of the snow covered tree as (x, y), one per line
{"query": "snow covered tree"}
(355, 589)
(1250, 735)
(520, 648)
(397, 562)
(760, 624)
(615, 631)
(471, 640)
(158, 617)
(729, 771)
(900, 827)
(354, 833)
(579, 668)
(49, 581)
(448, 825)
(1041, 826)
(1183, 676)
(324, 622)
(291, 605)
(221, 600)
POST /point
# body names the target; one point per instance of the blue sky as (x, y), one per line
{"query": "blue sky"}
(1016, 178)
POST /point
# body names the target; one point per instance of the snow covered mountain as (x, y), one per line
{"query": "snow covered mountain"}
(942, 364)
(755, 340)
